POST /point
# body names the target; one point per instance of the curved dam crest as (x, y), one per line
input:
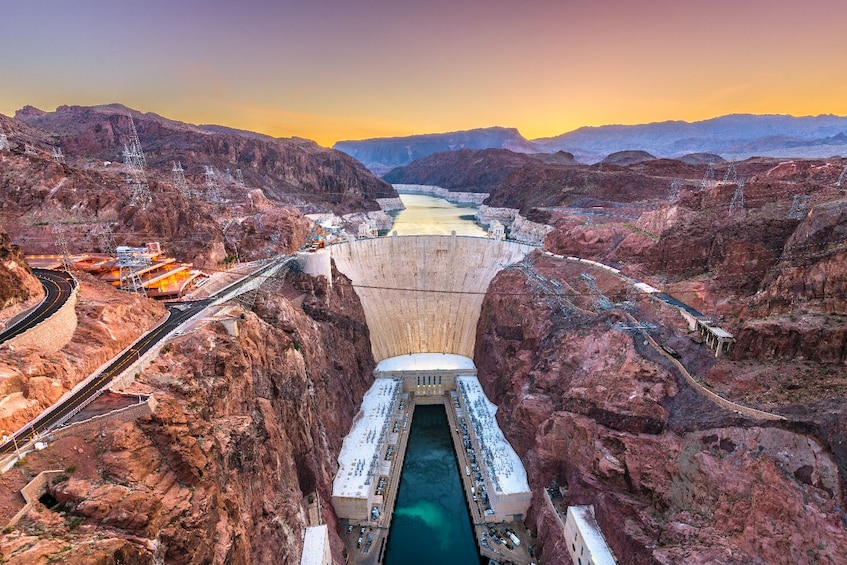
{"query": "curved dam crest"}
(423, 293)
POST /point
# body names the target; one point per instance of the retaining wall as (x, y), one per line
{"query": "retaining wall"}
(55, 332)
(94, 424)
(32, 492)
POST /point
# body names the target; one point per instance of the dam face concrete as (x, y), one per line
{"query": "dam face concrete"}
(423, 293)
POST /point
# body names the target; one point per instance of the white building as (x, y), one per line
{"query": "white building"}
(503, 471)
(428, 375)
(586, 543)
(364, 451)
(316, 547)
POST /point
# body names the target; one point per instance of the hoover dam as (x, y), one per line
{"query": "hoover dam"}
(423, 294)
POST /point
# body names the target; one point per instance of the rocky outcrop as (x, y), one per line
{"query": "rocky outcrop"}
(672, 477)
(38, 191)
(244, 429)
(290, 171)
(107, 321)
(465, 170)
(19, 289)
(383, 154)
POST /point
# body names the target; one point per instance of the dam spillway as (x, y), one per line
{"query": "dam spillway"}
(424, 293)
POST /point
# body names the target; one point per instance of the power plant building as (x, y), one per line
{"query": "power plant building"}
(503, 473)
(365, 452)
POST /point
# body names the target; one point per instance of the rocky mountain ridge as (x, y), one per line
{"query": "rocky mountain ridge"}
(733, 137)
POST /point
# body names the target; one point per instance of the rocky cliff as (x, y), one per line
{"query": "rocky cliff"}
(38, 191)
(245, 428)
(383, 154)
(673, 478)
(289, 171)
(18, 288)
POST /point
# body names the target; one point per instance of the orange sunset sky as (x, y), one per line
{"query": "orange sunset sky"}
(338, 69)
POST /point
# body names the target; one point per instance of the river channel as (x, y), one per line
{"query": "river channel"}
(431, 523)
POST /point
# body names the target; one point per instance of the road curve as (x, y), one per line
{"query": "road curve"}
(58, 287)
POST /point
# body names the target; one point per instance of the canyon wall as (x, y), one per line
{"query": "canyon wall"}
(244, 429)
(673, 478)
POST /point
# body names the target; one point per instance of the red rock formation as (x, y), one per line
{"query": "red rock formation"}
(672, 477)
(18, 288)
(245, 428)
(290, 171)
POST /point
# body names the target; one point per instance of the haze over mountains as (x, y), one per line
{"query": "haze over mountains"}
(733, 137)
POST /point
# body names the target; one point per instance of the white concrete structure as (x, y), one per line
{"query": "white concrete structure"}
(423, 294)
(503, 471)
(586, 544)
(428, 375)
(316, 546)
(363, 451)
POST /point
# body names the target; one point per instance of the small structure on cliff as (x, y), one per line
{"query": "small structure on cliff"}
(586, 543)
(316, 546)
(717, 338)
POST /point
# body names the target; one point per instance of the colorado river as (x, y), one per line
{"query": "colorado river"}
(427, 215)
(431, 522)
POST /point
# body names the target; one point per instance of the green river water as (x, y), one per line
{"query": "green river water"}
(431, 524)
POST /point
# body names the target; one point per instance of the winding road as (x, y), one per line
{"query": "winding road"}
(58, 286)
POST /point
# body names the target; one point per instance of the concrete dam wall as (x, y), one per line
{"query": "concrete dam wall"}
(423, 294)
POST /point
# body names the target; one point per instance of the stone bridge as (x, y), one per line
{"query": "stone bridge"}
(423, 293)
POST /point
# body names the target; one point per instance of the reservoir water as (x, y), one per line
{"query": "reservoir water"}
(431, 522)
(427, 215)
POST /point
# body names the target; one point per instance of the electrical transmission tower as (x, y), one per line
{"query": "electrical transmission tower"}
(799, 207)
(135, 163)
(4, 142)
(737, 202)
(61, 241)
(676, 185)
(731, 175)
(179, 180)
(708, 181)
(213, 190)
(229, 179)
(239, 178)
(29, 150)
(57, 155)
(107, 239)
(230, 238)
(550, 289)
(841, 177)
(601, 302)
(130, 261)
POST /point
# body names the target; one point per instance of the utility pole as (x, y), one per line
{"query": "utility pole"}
(708, 181)
(135, 163)
(731, 175)
(737, 202)
(799, 207)
(676, 185)
(61, 241)
(213, 190)
(57, 155)
(179, 180)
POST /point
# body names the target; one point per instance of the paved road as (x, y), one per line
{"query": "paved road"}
(48, 419)
(58, 286)
(58, 413)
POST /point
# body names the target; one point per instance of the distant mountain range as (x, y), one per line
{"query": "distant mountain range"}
(733, 137)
